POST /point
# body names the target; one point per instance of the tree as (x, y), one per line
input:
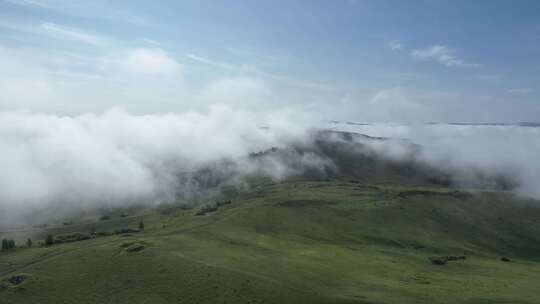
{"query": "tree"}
(29, 242)
(141, 225)
(49, 240)
(8, 244)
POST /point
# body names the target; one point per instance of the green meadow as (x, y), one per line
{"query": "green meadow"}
(291, 242)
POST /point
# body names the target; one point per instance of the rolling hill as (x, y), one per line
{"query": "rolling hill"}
(361, 229)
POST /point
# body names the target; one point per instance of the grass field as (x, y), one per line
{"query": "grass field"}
(295, 242)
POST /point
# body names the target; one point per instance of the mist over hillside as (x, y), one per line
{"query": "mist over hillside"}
(118, 159)
(470, 149)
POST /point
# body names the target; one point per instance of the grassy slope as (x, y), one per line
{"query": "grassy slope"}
(301, 242)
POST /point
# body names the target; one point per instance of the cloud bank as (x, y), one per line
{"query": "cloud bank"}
(119, 158)
(465, 150)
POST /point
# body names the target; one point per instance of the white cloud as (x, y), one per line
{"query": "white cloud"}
(443, 55)
(242, 92)
(117, 157)
(142, 80)
(395, 45)
(398, 104)
(152, 62)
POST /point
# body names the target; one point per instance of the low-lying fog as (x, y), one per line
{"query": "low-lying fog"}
(510, 150)
(120, 158)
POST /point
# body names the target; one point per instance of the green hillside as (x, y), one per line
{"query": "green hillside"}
(293, 242)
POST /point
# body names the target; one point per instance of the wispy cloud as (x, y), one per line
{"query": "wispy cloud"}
(73, 34)
(204, 60)
(255, 71)
(519, 91)
(31, 3)
(488, 77)
(128, 17)
(86, 9)
(57, 31)
(395, 45)
(253, 54)
(442, 54)
(151, 41)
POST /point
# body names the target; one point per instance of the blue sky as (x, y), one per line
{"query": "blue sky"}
(385, 61)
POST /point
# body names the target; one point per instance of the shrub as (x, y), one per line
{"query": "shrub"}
(104, 233)
(49, 240)
(104, 218)
(444, 259)
(206, 209)
(223, 203)
(185, 207)
(125, 230)
(141, 225)
(71, 237)
(135, 248)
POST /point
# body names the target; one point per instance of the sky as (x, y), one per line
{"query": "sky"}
(111, 101)
(362, 61)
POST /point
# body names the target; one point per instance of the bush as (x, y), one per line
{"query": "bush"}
(223, 203)
(141, 225)
(126, 230)
(185, 207)
(135, 248)
(104, 233)
(49, 240)
(206, 209)
(444, 259)
(71, 237)
(105, 218)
